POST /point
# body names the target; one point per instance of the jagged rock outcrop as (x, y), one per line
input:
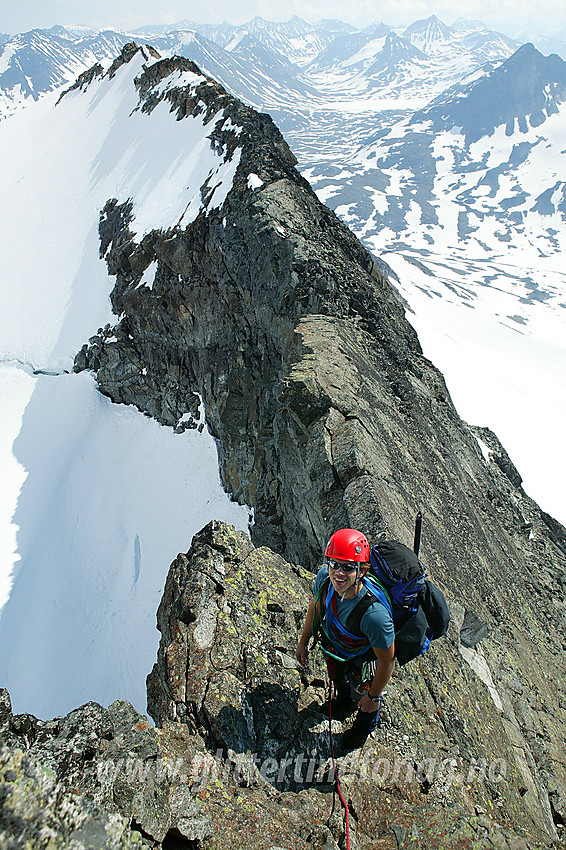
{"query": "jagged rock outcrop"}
(240, 754)
(95, 778)
(327, 414)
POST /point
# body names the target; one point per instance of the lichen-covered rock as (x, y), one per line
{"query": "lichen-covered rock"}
(226, 659)
(38, 810)
(97, 778)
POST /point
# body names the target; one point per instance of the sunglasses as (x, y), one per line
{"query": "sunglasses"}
(345, 566)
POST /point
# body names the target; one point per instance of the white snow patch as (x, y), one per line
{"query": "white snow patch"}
(234, 42)
(368, 52)
(148, 277)
(485, 450)
(178, 79)
(477, 661)
(324, 193)
(254, 182)
(6, 56)
(500, 374)
(228, 124)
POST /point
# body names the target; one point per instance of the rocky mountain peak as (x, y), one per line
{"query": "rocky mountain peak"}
(327, 414)
(430, 29)
(241, 748)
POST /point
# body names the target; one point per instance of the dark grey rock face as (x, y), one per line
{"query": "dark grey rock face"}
(327, 414)
(222, 315)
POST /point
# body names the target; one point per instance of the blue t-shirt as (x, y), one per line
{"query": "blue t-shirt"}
(376, 624)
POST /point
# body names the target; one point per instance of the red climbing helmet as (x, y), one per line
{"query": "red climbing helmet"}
(347, 544)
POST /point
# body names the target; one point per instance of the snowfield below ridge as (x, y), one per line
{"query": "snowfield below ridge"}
(97, 499)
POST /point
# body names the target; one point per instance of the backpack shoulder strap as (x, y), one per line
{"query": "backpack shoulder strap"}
(375, 593)
(356, 615)
(319, 605)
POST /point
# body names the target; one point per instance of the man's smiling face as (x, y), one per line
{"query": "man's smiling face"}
(343, 576)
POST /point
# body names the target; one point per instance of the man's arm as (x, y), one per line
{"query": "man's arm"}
(386, 659)
(302, 651)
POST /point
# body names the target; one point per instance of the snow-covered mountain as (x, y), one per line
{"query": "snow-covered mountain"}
(351, 50)
(482, 164)
(359, 108)
(429, 35)
(96, 498)
(394, 55)
(520, 93)
(295, 39)
(40, 61)
(293, 64)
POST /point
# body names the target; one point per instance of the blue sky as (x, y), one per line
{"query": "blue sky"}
(509, 16)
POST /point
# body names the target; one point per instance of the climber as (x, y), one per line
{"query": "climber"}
(360, 665)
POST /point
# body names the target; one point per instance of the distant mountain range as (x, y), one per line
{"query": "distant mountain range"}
(264, 63)
(40, 61)
(441, 161)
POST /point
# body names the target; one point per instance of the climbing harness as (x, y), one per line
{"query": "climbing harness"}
(333, 633)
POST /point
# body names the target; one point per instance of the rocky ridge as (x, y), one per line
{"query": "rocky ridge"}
(326, 414)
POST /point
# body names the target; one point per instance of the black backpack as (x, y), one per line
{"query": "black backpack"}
(419, 609)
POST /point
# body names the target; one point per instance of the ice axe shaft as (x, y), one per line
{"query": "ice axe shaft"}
(418, 529)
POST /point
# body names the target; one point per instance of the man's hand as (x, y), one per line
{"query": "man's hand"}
(302, 653)
(386, 658)
(366, 704)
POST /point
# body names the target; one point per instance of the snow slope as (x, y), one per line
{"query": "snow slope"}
(109, 500)
(502, 370)
(97, 499)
